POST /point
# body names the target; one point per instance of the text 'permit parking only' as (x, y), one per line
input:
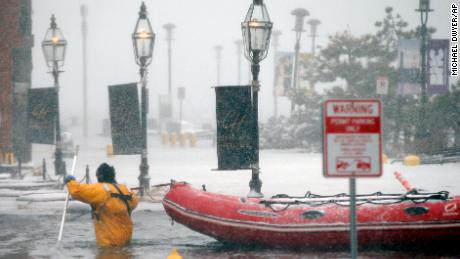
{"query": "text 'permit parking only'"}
(352, 138)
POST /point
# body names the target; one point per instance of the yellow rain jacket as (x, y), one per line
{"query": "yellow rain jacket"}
(112, 221)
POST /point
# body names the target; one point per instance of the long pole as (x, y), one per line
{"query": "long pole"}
(66, 203)
(84, 31)
(313, 30)
(299, 14)
(423, 47)
(218, 49)
(239, 44)
(255, 185)
(180, 110)
(294, 75)
(169, 68)
(422, 133)
(169, 38)
(169, 28)
(144, 179)
(313, 33)
(353, 230)
(59, 164)
(276, 35)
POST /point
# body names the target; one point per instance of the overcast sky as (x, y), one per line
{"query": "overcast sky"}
(201, 24)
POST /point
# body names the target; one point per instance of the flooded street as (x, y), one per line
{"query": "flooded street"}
(30, 229)
(34, 236)
(329, 126)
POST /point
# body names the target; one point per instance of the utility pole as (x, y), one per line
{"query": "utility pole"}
(84, 32)
(299, 14)
(239, 48)
(218, 49)
(313, 33)
(422, 134)
(276, 34)
(169, 30)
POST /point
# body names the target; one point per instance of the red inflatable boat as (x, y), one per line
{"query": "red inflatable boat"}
(397, 220)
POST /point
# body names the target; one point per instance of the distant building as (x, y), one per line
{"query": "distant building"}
(16, 44)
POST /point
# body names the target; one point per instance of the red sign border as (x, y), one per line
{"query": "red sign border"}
(325, 157)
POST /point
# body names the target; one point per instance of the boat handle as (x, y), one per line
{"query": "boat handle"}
(414, 211)
(312, 214)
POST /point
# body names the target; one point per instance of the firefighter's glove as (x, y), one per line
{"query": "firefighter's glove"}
(68, 178)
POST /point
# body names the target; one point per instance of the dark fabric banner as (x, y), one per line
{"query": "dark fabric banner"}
(41, 112)
(235, 127)
(125, 119)
(21, 144)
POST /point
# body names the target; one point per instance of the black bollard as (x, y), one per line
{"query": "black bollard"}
(44, 169)
(88, 180)
(18, 171)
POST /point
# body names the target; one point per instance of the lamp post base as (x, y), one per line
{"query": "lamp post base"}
(255, 185)
(144, 179)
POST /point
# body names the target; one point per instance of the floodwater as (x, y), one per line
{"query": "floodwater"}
(32, 232)
(34, 236)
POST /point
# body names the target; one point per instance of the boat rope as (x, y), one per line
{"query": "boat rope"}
(342, 199)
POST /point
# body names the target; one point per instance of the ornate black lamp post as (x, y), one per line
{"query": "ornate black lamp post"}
(143, 41)
(421, 133)
(54, 46)
(299, 14)
(256, 30)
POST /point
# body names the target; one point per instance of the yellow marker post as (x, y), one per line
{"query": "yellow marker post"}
(165, 138)
(192, 140)
(10, 160)
(174, 254)
(109, 150)
(173, 139)
(384, 159)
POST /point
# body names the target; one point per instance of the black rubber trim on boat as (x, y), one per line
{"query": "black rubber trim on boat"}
(312, 214)
(414, 211)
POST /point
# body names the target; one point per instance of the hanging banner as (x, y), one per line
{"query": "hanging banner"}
(284, 65)
(438, 68)
(303, 79)
(283, 72)
(42, 109)
(21, 144)
(352, 138)
(125, 119)
(235, 127)
(409, 66)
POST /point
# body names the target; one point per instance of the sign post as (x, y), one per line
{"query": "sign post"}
(352, 147)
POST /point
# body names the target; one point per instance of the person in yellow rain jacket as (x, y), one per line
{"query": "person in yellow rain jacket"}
(111, 204)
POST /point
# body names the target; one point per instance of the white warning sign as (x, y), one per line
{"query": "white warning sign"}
(352, 138)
